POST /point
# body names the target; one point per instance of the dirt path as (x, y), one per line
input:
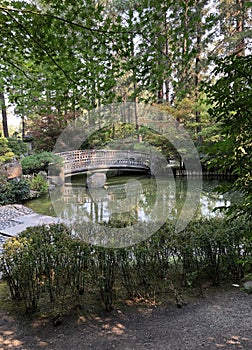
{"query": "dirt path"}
(220, 321)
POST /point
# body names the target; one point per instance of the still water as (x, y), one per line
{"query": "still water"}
(131, 197)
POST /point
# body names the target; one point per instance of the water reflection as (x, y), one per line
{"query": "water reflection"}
(123, 199)
(129, 198)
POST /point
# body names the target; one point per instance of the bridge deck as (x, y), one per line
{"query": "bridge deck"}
(84, 160)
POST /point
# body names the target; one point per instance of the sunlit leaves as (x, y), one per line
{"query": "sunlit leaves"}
(231, 98)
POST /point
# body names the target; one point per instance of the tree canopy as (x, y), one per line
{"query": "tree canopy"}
(59, 59)
(231, 108)
(69, 56)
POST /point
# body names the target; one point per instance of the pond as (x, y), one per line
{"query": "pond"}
(130, 197)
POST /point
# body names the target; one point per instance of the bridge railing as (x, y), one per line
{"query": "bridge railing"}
(90, 159)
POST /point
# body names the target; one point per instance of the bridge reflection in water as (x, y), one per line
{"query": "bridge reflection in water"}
(124, 198)
(132, 198)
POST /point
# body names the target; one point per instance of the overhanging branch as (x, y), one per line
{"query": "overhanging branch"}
(41, 47)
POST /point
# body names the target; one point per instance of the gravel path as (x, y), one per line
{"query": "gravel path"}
(10, 212)
(220, 321)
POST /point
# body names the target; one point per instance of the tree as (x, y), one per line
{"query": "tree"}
(231, 100)
(4, 115)
(58, 57)
(61, 57)
(46, 128)
(232, 26)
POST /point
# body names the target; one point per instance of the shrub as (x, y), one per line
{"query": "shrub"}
(44, 261)
(18, 147)
(39, 162)
(14, 191)
(215, 247)
(38, 183)
(6, 154)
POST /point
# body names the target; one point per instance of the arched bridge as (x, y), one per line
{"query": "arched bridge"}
(80, 161)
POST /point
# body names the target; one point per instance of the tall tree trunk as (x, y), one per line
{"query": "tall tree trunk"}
(4, 115)
(135, 103)
(167, 80)
(160, 94)
(23, 127)
(184, 63)
(167, 91)
(163, 82)
(134, 79)
(197, 81)
(240, 19)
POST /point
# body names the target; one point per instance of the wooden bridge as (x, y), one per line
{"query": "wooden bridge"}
(80, 161)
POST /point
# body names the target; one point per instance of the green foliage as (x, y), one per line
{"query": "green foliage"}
(6, 154)
(231, 106)
(39, 162)
(159, 141)
(14, 191)
(131, 50)
(106, 267)
(106, 135)
(46, 263)
(124, 135)
(216, 248)
(38, 183)
(18, 147)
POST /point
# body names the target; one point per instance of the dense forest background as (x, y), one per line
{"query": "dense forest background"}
(60, 58)
(191, 58)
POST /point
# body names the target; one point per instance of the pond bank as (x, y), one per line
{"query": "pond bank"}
(12, 211)
(8, 214)
(15, 218)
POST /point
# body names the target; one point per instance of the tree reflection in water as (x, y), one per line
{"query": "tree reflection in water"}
(131, 198)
